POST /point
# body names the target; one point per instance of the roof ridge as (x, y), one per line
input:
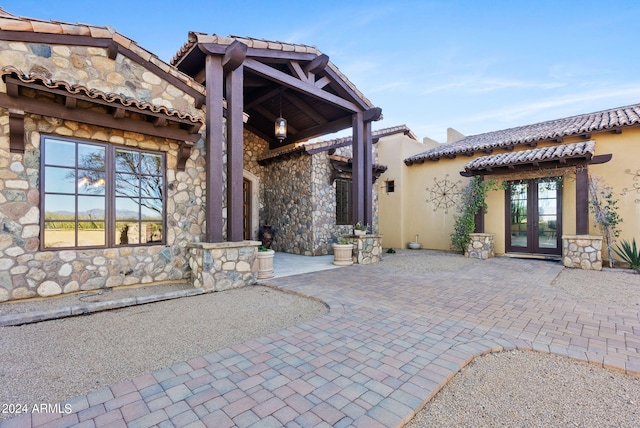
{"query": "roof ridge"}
(580, 124)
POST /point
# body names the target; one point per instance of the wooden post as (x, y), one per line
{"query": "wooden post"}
(213, 144)
(582, 200)
(357, 170)
(235, 145)
(368, 175)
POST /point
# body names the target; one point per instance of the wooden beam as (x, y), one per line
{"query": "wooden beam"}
(582, 201)
(112, 50)
(322, 82)
(89, 117)
(304, 107)
(317, 65)
(16, 131)
(327, 128)
(234, 56)
(367, 176)
(357, 176)
(345, 89)
(372, 114)
(291, 82)
(213, 149)
(70, 102)
(235, 150)
(184, 153)
(296, 69)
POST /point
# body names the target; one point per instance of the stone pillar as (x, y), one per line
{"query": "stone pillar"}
(582, 251)
(482, 246)
(223, 265)
(367, 249)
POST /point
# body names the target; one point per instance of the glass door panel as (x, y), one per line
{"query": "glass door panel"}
(547, 214)
(519, 215)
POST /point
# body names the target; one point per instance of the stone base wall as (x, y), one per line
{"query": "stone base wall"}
(367, 249)
(482, 246)
(582, 251)
(224, 265)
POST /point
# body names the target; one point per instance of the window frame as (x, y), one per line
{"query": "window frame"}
(110, 194)
(341, 212)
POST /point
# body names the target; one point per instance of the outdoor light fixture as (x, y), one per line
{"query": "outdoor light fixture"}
(281, 124)
(281, 128)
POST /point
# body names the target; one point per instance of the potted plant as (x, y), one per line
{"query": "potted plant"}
(343, 253)
(360, 229)
(265, 262)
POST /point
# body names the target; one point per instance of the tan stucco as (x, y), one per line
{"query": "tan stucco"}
(418, 208)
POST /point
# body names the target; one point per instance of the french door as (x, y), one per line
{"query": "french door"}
(534, 216)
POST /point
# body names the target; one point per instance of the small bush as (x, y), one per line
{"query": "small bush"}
(629, 253)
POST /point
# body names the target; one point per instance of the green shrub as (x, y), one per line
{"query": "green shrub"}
(629, 253)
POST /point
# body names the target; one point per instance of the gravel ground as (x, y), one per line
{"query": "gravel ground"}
(57, 360)
(53, 361)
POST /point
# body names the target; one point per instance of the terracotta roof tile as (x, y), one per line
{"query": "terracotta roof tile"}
(9, 22)
(332, 144)
(550, 130)
(544, 154)
(95, 94)
(195, 38)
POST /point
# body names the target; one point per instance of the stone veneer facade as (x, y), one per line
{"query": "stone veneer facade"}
(482, 246)
(222, 266)
(582, 251)
(25, 271)
(367, 249)
(295, 194)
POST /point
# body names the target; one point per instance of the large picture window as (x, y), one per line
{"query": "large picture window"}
(99, 195)
(343, 201)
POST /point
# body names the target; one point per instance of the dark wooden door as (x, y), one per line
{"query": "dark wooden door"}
(534, 216)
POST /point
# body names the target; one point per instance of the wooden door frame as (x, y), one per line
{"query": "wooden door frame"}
(254, 203)
(533, 220)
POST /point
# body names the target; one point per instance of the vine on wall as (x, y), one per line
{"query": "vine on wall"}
(472, 199)
(605, 208)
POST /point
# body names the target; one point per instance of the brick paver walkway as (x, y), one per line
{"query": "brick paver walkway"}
(389, 343)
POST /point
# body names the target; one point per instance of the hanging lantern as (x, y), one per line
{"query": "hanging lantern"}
(281, 128)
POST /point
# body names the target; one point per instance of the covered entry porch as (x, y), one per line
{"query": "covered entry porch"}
(253, 87)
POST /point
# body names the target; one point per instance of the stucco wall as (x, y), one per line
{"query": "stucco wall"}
(428, 192)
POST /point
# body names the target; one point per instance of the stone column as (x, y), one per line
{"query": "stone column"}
(482, 246)
(582, 251)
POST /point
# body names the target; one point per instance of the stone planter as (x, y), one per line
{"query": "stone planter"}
(265, 264)
(343, 254)
(482, 246)
(357, 232)
(414, 245)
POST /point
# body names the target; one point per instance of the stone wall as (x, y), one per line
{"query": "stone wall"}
(25, 271)
(482, 246)
(582, 251)
(222, 266)
(367, 249)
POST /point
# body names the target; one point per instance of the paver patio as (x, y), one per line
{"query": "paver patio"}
(389, 343)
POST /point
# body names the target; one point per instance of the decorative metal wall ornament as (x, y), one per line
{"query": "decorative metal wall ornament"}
(444, 194)
(635, 186)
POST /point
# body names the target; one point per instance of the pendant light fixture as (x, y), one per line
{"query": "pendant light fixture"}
(281, 124)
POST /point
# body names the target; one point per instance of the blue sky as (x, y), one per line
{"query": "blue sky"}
(476, 66)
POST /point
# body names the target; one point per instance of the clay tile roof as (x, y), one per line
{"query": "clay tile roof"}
(582, 150)
(92, 93)
(9, 22)
(551, 130)
(321, 146)
(195, 38)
